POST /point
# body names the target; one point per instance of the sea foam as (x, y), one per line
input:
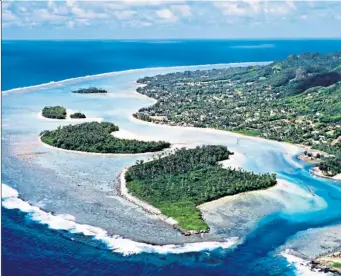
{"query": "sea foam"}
(11, 200)
(108, 74)
(302, 267)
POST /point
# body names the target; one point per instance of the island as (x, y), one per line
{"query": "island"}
(77, 115)
(177, 183)
(90, 90)
(54, 112)
(97, 138)
(295, 100)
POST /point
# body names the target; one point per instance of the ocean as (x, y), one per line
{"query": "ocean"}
(27, 63)
(30, 247)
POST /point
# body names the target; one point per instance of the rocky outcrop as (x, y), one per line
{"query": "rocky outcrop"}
(328, 263)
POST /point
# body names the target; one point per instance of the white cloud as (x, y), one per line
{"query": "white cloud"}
(8, 16)
(125, 14)
(231, 8)
(137, 24)
(183, 10)
(45, 15)
(88, 14)
(165, 14)
(70, 24)
(254, 7)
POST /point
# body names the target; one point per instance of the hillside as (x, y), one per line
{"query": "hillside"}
(296, 100)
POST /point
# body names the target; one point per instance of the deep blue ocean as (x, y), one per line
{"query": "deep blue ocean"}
(26, 63)
(29, 248)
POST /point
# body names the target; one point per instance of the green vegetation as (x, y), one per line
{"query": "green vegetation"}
(337, 265)
(90, 90)
(54, 112)
(96, 137)
(78, 115)
(296, 100)
(331, 165)
(179, 182)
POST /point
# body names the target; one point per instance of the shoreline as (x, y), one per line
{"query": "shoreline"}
(69, 119)
(113, 73)
(281, 185)
(151, 152)
(124, 192)
(212, 130)
(317, 172)
(119, 244)
(325, 262)
(104, 154)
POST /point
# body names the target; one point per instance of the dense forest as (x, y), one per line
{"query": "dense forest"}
(90, 90)
(78, 115)
(96, 137)
(54, 112)
(331, 165)
(179, 182)
(296, 100)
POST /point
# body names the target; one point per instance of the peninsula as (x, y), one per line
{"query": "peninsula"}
(178, 182)
(295, 100)
(97, 138)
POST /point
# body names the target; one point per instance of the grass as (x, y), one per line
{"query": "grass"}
(47, 139)
(184, 212)
(247, 132)
(337, 265)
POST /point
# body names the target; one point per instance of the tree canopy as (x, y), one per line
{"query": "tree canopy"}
(90, 90)
(179, 182)
(97, 137)
(78, 115)
(54, 112)
(296, 100)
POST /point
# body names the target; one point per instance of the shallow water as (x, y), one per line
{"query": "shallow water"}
(84, 186)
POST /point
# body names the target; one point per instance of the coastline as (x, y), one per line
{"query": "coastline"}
(114, 73)
(103, 154)
(317, 172)
(144, 153)
(124, 192)
(214, 130)
(326, 262)
(69, 119)
(281, 185)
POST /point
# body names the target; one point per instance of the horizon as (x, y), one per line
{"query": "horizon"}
(181, 39)
(171, 20)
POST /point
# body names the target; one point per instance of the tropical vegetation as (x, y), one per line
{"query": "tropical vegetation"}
(177, 183)
(78, 115)
(54, 112)
(90, 90)
(296, 100)
(96, 137)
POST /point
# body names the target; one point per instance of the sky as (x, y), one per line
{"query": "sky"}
(178, 19)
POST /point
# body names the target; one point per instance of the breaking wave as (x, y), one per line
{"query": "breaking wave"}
(11, 200)
(301, 266)
(108, 74)
(256, 46)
